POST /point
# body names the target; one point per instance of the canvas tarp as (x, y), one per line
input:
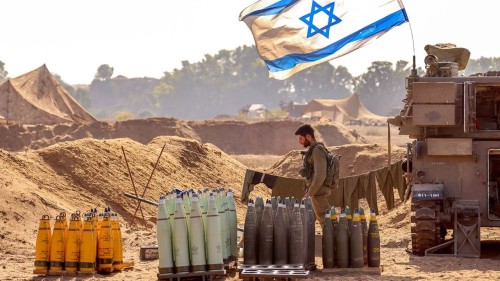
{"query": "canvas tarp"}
(344, 110)
(38, 98)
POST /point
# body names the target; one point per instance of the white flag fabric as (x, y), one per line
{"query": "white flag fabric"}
(291, 35)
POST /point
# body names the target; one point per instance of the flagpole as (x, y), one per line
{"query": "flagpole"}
(414, 67)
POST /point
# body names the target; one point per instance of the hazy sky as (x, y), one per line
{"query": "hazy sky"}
(146, 38)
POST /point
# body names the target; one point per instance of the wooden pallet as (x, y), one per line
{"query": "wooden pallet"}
(351, 271)
(232, 265)
(242, 267)
(43, 272)
(87, 273)
(288, 272)
(61, 273)
(203, 275)
(106, 270)
(311, 267)
(123, 266)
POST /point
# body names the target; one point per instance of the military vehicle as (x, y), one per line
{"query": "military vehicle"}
(453, 163)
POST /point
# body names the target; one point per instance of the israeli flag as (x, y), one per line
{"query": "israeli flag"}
(292, 35)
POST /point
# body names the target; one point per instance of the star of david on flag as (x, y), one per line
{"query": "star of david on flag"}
(292, 35)
(316, 9)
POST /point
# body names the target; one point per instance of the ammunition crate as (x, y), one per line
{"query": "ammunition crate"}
(149, 252)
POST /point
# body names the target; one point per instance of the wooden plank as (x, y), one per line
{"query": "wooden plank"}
(351, 271)
(40, 271)
(61, 273)
(124, 265)
(181, 276)
(86, 273)
(232, 265)
(149, 252)
(106, 270)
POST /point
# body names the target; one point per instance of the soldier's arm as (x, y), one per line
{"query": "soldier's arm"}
(319, 176)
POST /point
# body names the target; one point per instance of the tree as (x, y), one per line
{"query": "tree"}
(482, 65)
(382, 87)
(146, 114)
(342, 82)
(123, 115)
(225, 82)
(219, 84)
(3, 72)
(104, 72)
(65, 85)
(244, 110)
(83, 97)
(311, 83)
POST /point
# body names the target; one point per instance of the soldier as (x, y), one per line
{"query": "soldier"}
(406, 166)
(314, 170)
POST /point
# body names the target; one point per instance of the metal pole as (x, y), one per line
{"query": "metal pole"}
(389, 144)
(140, 199)
(133, 185)
(149, 180)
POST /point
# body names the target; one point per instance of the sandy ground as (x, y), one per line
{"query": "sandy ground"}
(87, 173)
(378, 134)
(397, 263)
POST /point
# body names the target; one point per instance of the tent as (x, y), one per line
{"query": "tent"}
(37, 98)
(343, 111)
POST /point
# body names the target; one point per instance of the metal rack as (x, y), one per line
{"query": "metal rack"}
(287, 272)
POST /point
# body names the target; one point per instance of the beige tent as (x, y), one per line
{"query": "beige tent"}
(37, 98)
(343, 111)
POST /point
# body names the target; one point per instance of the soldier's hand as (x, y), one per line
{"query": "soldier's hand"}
(306, 195)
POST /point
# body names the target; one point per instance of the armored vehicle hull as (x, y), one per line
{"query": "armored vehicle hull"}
(453, 164)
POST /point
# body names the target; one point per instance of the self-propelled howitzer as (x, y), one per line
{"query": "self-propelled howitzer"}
(453, 163)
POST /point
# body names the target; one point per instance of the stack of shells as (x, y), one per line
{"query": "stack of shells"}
(279, 232)
(196, 231)
(83, 245)
(348, 241)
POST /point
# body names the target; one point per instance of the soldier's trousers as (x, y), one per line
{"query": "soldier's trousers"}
(320, 203)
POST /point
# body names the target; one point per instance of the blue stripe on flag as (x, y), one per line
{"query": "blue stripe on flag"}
(291, 60)
(273, 9)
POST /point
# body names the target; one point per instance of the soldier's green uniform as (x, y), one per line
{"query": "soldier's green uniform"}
(314, 170)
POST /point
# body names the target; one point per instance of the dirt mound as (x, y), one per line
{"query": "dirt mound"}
(89, 173)
(21, 137)
(397, 218)
(233, 137)
(273, 137)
